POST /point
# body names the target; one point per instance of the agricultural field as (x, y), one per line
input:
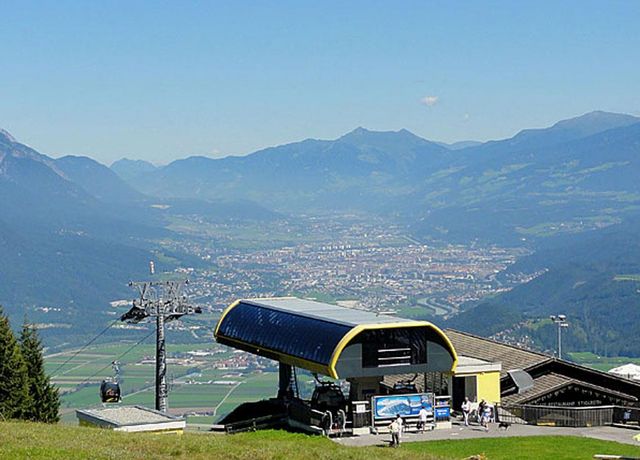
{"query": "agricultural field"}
(205, 380)
(601, 363)
(632, 277)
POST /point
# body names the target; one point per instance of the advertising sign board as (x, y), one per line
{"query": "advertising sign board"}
(387, 407)
(442, 410)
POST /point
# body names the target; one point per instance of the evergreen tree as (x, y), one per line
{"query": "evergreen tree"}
(45, 401)
(14, 381)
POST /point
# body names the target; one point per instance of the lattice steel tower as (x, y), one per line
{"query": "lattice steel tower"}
(164, 301)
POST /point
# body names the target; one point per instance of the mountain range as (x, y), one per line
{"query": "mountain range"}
(317, 174)
(74, 231)
(60, 244)
(570, 191)
(577, 174)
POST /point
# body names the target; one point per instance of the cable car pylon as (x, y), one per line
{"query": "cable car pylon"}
(164, 301)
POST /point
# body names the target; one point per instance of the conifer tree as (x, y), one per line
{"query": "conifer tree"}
(14, 383)
(45, 402)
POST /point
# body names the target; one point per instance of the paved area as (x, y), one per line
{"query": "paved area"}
(607, 433)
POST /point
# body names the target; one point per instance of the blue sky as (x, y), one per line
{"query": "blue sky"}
(163, 80)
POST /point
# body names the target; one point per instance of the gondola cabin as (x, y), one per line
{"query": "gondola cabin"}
(110, 392)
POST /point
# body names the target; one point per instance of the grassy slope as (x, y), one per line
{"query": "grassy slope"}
(532, 447)
(34, 441)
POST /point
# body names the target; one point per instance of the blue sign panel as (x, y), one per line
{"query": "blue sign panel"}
(442, 413)
(405, 405)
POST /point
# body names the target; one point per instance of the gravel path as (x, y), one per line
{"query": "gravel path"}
(606, 433)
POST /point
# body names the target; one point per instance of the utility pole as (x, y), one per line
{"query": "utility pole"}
(164, 301)
(161, 364)
(560, 321)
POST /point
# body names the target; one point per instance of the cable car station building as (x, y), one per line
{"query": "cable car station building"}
(376, 354)
(341, 343)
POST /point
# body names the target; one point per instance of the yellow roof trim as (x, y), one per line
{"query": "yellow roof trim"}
(452, 349)
(225, 313)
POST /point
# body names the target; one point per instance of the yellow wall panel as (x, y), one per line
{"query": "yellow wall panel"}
(489, 386)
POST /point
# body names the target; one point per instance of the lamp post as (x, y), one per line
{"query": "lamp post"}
(560, 321)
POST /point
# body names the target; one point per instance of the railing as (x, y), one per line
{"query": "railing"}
(626, 415)
(302, 413)
(258, 423)
(557, 415)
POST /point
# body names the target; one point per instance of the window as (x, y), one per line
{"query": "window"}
(393, 347)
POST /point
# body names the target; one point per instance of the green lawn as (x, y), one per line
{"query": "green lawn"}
(602, 363)
(200, 396)
(532, 447)
(633, 277)
(255, 388)
(415, 312)
(36, 441)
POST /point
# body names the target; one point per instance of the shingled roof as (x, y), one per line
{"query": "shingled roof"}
(553, 382)
(549, 374)
(542, 385)
(485, 349)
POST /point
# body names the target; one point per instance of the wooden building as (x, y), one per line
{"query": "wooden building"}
(533, 378)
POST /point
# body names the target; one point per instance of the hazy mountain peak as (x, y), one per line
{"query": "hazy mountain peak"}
(571, 129)
(7, 135)
(130, 169)
(9, 146)
(128, 161)
(96, 179)
(359, 131)
(459, 145)
(598, 119)
(362, 136)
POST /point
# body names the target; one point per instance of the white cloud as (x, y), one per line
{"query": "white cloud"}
(429, 101)
(466, 117)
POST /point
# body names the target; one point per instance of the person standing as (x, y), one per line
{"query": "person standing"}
(422, 419)
(394, 428)
(466, 409)
(400, 421)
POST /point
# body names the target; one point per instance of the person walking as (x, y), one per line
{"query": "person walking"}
(480, 410)
(485, 416)
(422, 419)
(394, 428)
(466, 409)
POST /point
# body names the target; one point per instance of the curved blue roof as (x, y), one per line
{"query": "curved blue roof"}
(284, 332)
(306, 333)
